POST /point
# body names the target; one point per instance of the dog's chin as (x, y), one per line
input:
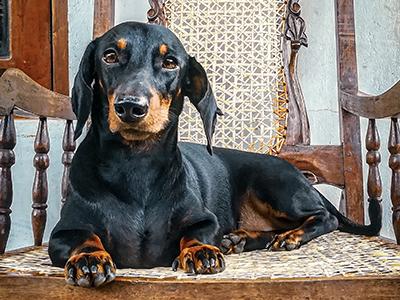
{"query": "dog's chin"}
(146, 131)
(134, 135)
(138, 139)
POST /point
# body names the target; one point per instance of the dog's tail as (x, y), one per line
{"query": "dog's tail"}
(347, 225)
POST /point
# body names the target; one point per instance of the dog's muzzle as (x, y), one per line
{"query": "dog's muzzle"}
(131, 109)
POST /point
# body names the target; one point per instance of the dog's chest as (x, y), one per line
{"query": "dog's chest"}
(140, 224)
(142, 237)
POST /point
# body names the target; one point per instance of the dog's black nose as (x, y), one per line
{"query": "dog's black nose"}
(130, 109)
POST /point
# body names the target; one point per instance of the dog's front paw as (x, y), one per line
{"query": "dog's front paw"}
(90, 269)
(201, 259)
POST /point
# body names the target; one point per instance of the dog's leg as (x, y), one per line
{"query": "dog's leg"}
(245, 240)
(196, 257)
(312, 227)
(88, 263)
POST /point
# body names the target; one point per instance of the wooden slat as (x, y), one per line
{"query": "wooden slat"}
(364, 288)
(60, 46)
(7, 159)
(40, 188)
(373, 158)
(394, 164)
(350, 124)
(325, 162)
(69, 146)
(375, 107)
(104, 14)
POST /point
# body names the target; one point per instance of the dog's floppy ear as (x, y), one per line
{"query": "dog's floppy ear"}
(198, 89)
(82, 92)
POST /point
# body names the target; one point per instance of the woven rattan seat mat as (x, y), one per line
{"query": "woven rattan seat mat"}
(334, 254)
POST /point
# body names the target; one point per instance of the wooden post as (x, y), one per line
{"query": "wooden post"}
(59, 20)
(394, 164)
(69, 146)
(373, 158)
(103, 18)
(350, 124)
(7, 159)
(40, 185)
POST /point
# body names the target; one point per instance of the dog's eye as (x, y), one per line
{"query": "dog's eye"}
(110, 56)
(169, 63)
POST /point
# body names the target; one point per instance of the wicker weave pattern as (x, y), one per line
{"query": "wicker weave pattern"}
(239, 44)
(334, 254)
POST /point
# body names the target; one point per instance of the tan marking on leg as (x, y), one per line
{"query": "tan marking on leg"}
(187, 242)
(93, 242)
(258, 215)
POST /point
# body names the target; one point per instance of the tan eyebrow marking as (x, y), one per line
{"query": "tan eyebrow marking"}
(163, 49)
(121, 43)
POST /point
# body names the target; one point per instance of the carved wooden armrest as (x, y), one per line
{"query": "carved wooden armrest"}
(386, 105)
(373, 107)
(18, 90)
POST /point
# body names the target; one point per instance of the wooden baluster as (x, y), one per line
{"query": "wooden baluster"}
(7, 159)
(40, 186)
(69, 148)
(394, 164)
(373, 157)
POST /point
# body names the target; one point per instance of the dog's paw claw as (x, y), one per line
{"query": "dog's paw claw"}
(90, 269)
(202, 259)
(175, 265)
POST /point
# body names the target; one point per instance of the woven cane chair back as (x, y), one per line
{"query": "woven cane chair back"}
(239, 43)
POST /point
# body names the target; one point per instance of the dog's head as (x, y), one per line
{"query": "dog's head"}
(138, 74)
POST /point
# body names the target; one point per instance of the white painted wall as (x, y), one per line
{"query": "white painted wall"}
(378, 54)
(80, 27)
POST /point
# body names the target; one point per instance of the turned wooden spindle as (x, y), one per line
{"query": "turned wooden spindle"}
(373, 157)
(40, 186)
(7, 159)
(394, 164)
(69, 146)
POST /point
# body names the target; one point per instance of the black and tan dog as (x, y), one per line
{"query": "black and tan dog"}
(140, 199)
